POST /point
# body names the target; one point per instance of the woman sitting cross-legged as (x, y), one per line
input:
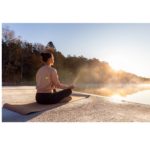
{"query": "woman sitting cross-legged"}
(47, 80)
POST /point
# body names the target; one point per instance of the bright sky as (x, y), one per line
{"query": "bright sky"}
(123, 46)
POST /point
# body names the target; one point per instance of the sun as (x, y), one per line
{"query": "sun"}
(117, 62)
(128, 61)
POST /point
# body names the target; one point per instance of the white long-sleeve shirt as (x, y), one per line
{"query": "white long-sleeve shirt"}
(47, 79)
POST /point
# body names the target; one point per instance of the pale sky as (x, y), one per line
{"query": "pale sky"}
(123, 46)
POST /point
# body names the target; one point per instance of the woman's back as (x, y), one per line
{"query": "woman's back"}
(43, 79)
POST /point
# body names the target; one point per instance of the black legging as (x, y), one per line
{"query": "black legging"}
(52, 98)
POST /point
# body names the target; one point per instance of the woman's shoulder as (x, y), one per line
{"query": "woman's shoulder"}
(53, 69)
(45, 67)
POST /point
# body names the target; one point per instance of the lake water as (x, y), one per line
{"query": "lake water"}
(142, 97)
(138, 93)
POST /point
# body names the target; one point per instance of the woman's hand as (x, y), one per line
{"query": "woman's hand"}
(71, 86)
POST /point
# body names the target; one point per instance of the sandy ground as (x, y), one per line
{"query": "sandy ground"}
(92, 109)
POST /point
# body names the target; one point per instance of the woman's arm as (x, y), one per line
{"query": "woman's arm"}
(56, 82)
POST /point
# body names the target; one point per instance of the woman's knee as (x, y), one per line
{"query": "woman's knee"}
(69, 91)
(66, 92)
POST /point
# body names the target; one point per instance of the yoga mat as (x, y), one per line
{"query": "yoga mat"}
(32, 107)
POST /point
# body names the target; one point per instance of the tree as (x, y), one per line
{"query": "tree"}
(50, 46)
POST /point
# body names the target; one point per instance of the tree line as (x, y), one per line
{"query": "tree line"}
(21, 60)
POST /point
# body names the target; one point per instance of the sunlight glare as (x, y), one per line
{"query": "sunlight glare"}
(127, 59)
(116, 99)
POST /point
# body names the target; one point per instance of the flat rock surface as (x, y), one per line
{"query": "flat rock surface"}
(92, 109)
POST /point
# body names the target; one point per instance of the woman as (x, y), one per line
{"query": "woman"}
(47, 80)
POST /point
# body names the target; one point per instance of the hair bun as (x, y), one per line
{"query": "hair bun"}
(42, 54)
(45, 56)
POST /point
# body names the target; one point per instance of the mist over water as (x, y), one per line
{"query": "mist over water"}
(139, 93)
(113, 89)
(118, 85)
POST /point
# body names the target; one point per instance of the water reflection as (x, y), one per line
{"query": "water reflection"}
(139, 97)
(139, 93)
